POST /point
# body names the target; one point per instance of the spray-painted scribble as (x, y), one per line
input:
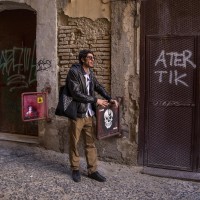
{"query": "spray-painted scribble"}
(18, 66)
(43, 65)
(174, 60)
(166, 103)
(19, 80)
(171, 103)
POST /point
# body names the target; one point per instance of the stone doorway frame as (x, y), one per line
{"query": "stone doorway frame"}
(46, 50)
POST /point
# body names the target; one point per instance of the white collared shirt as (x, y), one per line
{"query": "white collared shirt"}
(89, 111)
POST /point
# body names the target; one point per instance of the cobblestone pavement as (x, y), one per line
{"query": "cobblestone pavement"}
(28, 172)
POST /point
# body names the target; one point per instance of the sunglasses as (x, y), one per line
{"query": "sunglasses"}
(90, 57)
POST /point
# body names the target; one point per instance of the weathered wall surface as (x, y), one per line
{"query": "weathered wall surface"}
(82, 32)
(113, 37)
(125, 77)
(75, 34)
(92, 9)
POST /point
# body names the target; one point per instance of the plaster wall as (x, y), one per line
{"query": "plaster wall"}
(122, 61)
(125, 73)
(92, 9)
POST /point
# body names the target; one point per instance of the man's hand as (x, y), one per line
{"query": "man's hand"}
(102, 102)
(114, 102)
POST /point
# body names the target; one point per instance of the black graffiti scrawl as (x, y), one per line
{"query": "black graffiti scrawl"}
(43, 65)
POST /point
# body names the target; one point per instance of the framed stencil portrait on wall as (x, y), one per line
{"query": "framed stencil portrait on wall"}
(34, 106)
(108, 122)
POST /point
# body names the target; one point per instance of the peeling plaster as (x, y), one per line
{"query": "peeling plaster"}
(92, 9)
(128, 20)
(131, 84)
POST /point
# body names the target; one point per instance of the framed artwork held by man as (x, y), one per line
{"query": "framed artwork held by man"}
(108, 122)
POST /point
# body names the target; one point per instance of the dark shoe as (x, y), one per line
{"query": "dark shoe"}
(96, 176)
(76, 175)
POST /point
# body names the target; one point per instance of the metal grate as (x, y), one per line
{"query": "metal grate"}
(170, 30)
(172, 17)
(172, 68)
(170, 137)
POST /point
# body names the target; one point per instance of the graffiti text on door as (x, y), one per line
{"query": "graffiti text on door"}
(174, 61)
(18, 65)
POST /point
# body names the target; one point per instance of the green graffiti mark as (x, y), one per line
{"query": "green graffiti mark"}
(19, 67)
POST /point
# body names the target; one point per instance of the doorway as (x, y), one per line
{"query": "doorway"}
(17, 69)
(169, 107)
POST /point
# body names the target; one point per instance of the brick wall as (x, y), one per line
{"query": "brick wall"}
(81, 33)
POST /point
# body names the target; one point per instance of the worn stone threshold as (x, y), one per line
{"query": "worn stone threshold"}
(168, 173)
(19, 138)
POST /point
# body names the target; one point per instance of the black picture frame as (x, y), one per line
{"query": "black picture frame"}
(108, 122)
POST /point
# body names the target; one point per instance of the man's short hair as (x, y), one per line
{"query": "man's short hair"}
(83, 54)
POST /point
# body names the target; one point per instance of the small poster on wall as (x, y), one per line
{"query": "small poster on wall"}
(34, 106)
(108, 122)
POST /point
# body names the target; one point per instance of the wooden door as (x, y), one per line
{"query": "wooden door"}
(17, 68)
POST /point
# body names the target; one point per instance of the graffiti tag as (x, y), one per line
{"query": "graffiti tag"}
(43, 65)
(18, 67)
(176, 60)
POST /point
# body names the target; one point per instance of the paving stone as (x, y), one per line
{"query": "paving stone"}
(29, 172)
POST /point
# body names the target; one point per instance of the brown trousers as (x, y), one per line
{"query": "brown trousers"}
(77, 127)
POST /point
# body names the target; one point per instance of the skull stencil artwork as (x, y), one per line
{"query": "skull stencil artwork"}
(108, 118)
(107, 121)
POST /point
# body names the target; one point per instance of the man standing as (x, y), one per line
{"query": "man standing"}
(82, 85)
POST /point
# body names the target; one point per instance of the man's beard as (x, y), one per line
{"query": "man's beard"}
(87, 65)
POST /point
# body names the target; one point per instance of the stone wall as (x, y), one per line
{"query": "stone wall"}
(115, 45)
(125, 73)
(61, 34)
(75, 34)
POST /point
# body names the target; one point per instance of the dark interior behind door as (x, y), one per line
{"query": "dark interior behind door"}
(17, 68)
